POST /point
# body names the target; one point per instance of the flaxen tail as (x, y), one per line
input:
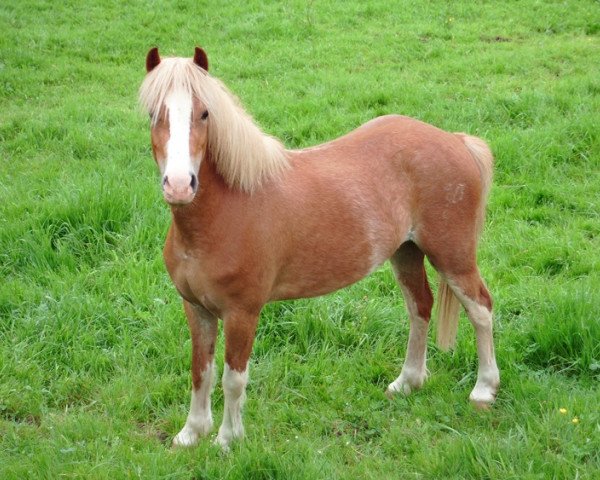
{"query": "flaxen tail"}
(448, 309)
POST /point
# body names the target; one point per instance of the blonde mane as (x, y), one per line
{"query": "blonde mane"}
(243, 154)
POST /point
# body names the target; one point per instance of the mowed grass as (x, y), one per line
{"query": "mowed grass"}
(94, 349)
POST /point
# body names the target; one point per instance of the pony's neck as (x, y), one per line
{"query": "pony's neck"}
(244, 155)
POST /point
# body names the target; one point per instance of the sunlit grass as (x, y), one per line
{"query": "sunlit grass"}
(94, 350)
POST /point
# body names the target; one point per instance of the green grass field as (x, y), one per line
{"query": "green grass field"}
(94, 348)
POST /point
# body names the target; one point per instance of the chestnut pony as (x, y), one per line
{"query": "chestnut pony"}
(253, 222)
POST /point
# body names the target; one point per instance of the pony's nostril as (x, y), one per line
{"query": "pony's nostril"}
(194, 182)
(165, 181)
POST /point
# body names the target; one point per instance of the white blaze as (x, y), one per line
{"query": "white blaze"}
(179, 162)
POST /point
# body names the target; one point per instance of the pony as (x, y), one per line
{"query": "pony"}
(254, 222)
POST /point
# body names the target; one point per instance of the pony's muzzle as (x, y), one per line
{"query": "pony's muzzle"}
(179, 189)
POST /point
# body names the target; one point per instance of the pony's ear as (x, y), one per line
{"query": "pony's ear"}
(152, 59)
(200, 58)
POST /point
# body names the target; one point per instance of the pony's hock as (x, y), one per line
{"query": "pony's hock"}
(269, 223)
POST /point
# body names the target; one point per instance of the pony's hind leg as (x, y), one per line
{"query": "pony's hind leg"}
(203, 330)
(408, 267)
(472, 293)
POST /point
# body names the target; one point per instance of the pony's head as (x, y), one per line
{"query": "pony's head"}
(194, 116)
(179, 120)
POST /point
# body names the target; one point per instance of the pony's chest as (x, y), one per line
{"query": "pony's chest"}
(210, 277)
(189, 273)
(181, 267)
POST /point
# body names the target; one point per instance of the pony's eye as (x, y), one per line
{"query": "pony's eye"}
(204, 115)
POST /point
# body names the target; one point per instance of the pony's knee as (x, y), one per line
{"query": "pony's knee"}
(234, 382)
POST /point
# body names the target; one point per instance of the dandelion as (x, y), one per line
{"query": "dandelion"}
(562, 410)
(575, 420)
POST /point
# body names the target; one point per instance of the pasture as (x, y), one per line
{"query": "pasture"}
(94, 348)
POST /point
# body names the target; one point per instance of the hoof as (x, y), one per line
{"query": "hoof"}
(222, 442)
(227, 436)
(393, 390)
(406, 384)
(483, 396)
(191, 433)
(186, 438)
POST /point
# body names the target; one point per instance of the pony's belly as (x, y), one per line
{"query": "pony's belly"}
(312, 279)
(328, 265)
(313, 287)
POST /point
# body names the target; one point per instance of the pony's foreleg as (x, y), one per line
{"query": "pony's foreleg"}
(410, 273)
(239, 336)
(203, 330)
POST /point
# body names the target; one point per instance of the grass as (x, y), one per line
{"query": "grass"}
(94, 350)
